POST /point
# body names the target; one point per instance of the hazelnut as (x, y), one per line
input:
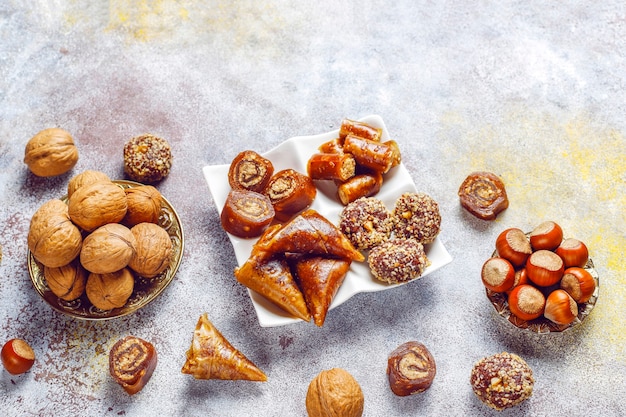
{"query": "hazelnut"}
(97, 204)
(513, 245)
(526, 302)
(109, 291)
(544, 268)
(333, 393)
(560, 307)
(85, 178)
(17, 356)
(573, 252)
(52, 238)
(498, 274)
(578, 283)
(144, 205)
(153, 250)
(108, 249)
(66, 282)
(51, 152)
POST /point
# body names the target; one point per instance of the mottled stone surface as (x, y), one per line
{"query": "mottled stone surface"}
(532, 91)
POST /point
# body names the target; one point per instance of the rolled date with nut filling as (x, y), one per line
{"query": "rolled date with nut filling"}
(131, 363)
(246, 213)
(411, 369)
(290, 192)
(250, 171)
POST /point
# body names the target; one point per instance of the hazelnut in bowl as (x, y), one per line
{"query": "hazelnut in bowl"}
(540, 281)
(117, 267)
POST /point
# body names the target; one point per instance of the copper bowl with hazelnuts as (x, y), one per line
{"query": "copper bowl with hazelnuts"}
(112, 231)
(540, 281)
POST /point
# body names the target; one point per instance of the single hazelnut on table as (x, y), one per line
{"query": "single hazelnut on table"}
(51, 152)
(109, 291)
(513, 245)
(107, 249)
(334, 393)
(17, 356)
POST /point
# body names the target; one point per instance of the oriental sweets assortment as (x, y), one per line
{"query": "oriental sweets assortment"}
(95, 244)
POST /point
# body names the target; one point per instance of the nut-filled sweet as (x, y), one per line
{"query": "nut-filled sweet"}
(304, 241)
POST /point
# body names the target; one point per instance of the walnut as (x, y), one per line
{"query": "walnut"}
(66, 282)
(97, 204)
(334, 393)
(54, 206)
(85, 178)
(109, 248)
(51, 152)
(144, 205)
(52, 237)
(153, 250)
(109, 291)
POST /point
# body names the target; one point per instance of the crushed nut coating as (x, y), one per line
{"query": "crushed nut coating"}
(147, 159)
(398, 260)
(416, 215)
(366, 222)
(502, 380)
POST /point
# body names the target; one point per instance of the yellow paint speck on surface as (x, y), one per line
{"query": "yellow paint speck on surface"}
(146, 19)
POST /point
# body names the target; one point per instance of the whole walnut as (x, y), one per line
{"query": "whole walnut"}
(97, 204)
(50, 207)
(51, 152)
(153, 250)
(109, 291)
(144, 205)
(109, 248)
(334, 393)
(66, 282)
(85, 178)
(52, 237)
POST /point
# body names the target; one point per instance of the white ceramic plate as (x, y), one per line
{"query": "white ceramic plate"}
(294, 153)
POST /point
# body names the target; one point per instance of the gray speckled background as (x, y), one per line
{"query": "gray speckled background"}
(533, 91)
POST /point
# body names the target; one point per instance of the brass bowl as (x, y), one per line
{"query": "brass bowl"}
(145, 290)
(542, 325)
